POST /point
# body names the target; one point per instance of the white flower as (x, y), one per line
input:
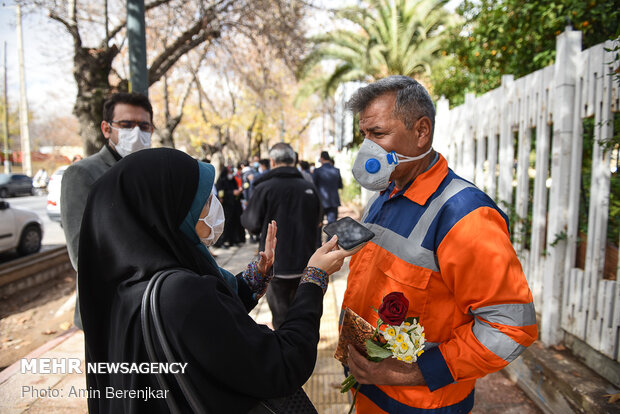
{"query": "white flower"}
(405, 341)
(389, 333)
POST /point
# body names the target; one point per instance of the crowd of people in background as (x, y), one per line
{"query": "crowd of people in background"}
(236, 183)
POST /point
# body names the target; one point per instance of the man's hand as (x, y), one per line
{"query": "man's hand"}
(390, 371)
(268, 256)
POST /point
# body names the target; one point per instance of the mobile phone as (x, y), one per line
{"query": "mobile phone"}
(350, 233)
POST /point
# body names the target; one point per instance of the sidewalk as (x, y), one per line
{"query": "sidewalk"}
(18, 392)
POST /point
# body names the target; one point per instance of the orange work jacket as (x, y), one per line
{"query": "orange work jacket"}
(444, 244)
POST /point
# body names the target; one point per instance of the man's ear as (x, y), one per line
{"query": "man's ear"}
(272, 162)
(424, 129)
(105, 129)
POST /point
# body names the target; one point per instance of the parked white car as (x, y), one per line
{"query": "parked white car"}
(53, 194)
(19, 229)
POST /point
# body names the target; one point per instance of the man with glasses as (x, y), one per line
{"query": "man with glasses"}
(127, 127)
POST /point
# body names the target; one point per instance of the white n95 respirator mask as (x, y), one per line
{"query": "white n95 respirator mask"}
(374, 165)
(132, 140)
(214, 220)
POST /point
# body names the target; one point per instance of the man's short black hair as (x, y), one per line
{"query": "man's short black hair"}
(133, 99)
(325, 156)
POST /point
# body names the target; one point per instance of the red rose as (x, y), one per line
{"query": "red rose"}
(394, 308)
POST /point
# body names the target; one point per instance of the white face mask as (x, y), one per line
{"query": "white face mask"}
(131, 140)
(374, 165)
(214, 221)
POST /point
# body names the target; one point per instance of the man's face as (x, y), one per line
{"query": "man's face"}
(123, 112)
(378, 124)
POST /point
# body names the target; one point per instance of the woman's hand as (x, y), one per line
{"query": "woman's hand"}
(267, 257)
(329, 257)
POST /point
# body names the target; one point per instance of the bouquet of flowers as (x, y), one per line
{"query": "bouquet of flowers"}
(395, 335)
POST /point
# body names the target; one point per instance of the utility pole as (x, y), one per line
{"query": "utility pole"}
(136, 33)
(23, 101)
(7, 161)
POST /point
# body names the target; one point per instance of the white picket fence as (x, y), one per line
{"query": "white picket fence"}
(478, 139)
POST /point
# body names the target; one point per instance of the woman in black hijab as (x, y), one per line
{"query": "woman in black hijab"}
(143, 216)
(230, 193)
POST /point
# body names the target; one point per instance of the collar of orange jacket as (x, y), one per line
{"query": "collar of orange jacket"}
(425, 184)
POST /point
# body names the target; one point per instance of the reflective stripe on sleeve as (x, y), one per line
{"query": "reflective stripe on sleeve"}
(496, 341)
(511, 314)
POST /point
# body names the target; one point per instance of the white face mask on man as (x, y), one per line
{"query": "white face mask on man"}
(131, 140)
(374, 165)
(214, 221)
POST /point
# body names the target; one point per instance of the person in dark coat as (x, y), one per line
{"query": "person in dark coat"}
(229, 192)
(327, 180)
(136, 224)
(282, 194)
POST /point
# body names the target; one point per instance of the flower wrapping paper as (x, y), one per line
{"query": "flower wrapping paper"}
(355, 331)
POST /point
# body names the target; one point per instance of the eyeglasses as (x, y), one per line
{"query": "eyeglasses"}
(144, 126)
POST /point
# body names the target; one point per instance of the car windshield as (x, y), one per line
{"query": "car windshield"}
(4, 178)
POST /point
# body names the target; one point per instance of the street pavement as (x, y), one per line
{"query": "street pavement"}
(22, 393)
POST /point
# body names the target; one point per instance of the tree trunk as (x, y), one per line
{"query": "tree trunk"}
(165, 134)
(258, 141)
(249, 132)
(91, 68)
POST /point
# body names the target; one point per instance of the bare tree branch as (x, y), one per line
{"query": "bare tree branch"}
(121, 25)
(72, 29)
(188, 89)
(107, 29)
(154, 4)
(191, 38)
(113, 33)
(306, 124)
(202, 94)
(232, 97)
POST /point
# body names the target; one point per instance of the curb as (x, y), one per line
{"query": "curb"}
(558, 383)
(12, 369)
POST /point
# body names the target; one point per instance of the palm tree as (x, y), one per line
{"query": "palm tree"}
(391, 37)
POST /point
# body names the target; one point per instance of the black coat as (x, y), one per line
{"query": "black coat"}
(233, 231)
(283, 195)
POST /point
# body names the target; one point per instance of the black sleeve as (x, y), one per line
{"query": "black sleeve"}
(211, 330)
(245, 294)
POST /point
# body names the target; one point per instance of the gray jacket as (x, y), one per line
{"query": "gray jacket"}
(76, 183)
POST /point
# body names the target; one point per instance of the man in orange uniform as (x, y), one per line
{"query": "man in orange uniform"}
(444, 244)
